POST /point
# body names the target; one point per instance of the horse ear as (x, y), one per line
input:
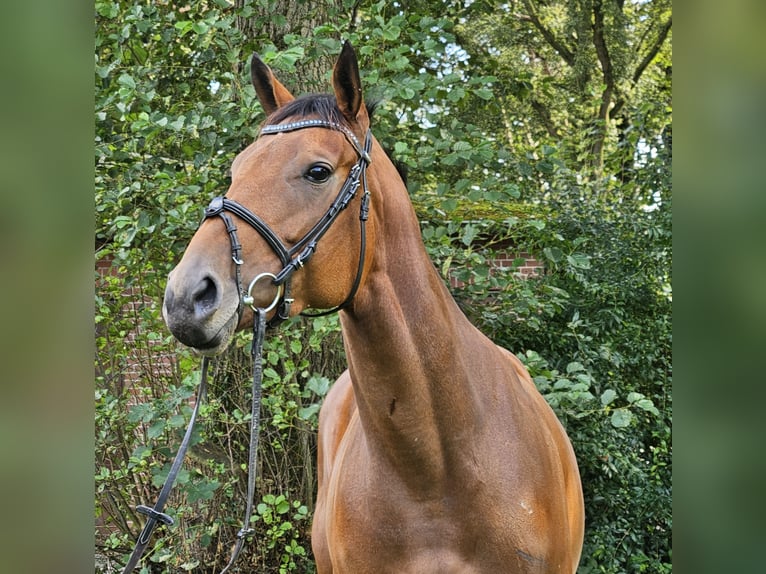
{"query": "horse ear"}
(348, 86)
(271, 93)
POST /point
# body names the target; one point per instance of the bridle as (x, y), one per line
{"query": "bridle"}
(292, 259)
(295, 257)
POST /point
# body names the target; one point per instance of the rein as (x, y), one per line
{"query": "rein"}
(304, 248)
(155, 514)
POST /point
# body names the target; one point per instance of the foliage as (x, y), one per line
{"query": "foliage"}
(506, 147)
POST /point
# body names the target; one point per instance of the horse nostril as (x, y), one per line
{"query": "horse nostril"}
(205, 298)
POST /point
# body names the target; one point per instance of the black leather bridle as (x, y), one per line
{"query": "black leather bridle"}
(295, 257)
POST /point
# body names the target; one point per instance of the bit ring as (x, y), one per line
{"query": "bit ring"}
(249, 300)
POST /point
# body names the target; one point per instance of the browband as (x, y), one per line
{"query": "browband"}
(302, 124)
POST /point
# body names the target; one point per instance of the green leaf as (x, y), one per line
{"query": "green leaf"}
(270, 373)
(647, 405)
(141, 453)
(391, 33)
(200, 27)
(283, 506)
(562, 384)
(177, 421)
(296, 346)
(308, 413)
(184, 27)
(142, 412)
(579, 260)
(156, 429)
(462, 146)
(553, 253)
(108, 9)
(574, 367)
(127, 81)
(319, 385)
(621, 418)
(469, 234)
(608, 396)
(202, 490)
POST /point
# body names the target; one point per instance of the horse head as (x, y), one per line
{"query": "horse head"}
(289, 189)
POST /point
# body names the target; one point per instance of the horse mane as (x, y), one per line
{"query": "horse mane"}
(326, 108)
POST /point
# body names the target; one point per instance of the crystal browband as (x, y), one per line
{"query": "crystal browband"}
(301, 124)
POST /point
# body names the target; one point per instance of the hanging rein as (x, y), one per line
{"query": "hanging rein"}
(292, 259)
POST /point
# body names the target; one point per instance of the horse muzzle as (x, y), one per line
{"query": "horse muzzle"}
(198, 310)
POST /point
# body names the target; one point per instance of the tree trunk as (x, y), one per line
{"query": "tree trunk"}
(301, 18)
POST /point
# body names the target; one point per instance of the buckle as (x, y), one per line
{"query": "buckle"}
(153, 514)
(215, 207)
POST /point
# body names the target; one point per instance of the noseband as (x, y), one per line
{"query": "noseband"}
(295, 257)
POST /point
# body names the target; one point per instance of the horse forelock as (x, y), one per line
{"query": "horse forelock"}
(322, 106)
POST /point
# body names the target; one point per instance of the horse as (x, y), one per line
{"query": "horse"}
(436, 453)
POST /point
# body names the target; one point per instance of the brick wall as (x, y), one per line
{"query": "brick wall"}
(142, 361)
(531, 266)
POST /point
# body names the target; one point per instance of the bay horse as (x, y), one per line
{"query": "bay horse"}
(436, 452)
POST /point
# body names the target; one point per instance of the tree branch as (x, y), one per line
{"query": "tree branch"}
(599, 42)
(565, 52)
(545, 117)
(647, 59)
(653, 51)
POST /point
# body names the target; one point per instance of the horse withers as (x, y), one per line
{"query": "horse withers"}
(436, 452)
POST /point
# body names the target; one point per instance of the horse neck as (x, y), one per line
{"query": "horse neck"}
(410, 349)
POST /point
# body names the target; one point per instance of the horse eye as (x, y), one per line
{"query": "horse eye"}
(318, 173)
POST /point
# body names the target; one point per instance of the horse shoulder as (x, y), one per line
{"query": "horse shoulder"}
(335, 416)
(549, 436)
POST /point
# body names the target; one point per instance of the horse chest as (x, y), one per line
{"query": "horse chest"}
(474, 519)
(374, 523)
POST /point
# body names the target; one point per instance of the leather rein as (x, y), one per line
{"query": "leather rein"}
(292, 259)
